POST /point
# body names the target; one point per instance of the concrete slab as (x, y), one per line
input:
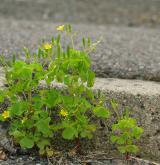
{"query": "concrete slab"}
(142, 98)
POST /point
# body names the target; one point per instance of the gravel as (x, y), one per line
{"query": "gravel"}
(32, 160)
(24, 160)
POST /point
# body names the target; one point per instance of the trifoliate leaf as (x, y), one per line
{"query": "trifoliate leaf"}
(101, 112)
(52, 98)
(26, 142)
(122, 149)
(43, 126)
(18, 108)
(69, 133)
(43, 143)
(114, 138)
(131, 148)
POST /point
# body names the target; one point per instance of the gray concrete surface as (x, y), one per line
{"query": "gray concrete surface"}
(123, 12)
(131, 53)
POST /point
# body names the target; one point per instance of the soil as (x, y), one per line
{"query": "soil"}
(66, 159)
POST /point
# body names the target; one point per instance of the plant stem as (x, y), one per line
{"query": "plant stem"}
(30, 99)
(127, 153)
(71, 37)
(78, 145)
(117, 114)
(127, 157)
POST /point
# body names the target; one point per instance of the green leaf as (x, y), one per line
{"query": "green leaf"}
(121, 140)
(36, 66)
(90, 94)
(43, 126)
(69, 133)
(43, 143)
(52, 98)
(26, 142)
(1, 118)
(52, 41)
(86, 133)
(69, 27)
(126, 123)
(122, 149)
(132, 148)
(26, 73)
(128, 148)
(136, 132)
(68, 101)
(68, 51)
(89, 41)
(114, 104)
(114, 138)
(17, 134)
(91, 76)
(37, 102)
(19, 64)
(58, 39)
(2, 95)
(17, 109)
(66, 80)
(13, 58)
(60, 76)
(84, 42)
(58, 51)
(29, 123)
(101, 112)
(85, 105)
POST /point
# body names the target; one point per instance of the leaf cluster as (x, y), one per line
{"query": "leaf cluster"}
(35, 113)
(125, 132)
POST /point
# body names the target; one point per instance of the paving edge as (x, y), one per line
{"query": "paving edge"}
(142, 98)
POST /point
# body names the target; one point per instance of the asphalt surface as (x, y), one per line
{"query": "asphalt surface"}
(124, 53)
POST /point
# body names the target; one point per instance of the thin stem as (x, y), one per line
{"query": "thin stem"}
(127, 157)
(72, 41)
(24, 95)
(30, 99)
(77, 148)
(118, 116)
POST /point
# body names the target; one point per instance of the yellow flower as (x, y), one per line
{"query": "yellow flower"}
(23, 120)
(101, 102)
(5, 114)
(63, 113)
(47, 46)
(60, 28)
